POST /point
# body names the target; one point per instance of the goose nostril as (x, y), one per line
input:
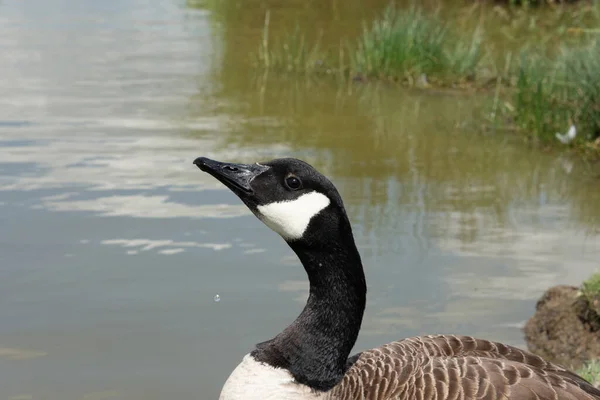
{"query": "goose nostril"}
(230, 168)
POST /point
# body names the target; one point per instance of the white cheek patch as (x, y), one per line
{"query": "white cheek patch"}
(291, 218)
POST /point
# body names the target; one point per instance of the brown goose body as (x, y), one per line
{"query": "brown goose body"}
(309, 360)
(448, 367)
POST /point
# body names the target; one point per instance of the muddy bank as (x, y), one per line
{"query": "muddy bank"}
(564, 328)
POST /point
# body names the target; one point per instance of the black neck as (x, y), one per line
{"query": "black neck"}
(315, 347)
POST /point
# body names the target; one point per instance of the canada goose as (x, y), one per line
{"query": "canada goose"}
(309, 359)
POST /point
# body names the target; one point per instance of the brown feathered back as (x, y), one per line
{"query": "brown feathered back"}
(457, 367)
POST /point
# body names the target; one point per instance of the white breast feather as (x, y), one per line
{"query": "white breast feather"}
(252, 380)
(291, 218)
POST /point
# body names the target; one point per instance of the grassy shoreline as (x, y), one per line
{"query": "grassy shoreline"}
(591, 372)
(589, 298)
(535, 90)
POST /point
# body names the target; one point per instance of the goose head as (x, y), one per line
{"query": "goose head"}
(288, 195)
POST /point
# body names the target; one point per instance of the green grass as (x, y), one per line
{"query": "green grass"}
(542, 91)
(402, 45)
(407, 44)
(590, 290)
(591, 287)
(588, 303)
(590, 293)
(552, 93)
(292, 53)
(591, 372)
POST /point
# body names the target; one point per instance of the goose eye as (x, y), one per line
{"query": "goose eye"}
(293, 182)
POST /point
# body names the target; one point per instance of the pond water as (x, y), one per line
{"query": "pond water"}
(114, 247)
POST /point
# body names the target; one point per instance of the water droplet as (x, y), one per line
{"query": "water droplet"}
(217, 298)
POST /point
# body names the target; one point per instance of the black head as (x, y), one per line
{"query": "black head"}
(288, 195)
(303, 206)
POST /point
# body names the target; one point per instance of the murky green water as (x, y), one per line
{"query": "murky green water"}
(113, 246)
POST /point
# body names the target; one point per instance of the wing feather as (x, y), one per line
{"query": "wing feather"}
(448, 367)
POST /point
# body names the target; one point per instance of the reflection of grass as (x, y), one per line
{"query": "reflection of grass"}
(591, 372)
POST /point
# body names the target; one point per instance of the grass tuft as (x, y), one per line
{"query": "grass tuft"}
(405, 44)
(552, 93)
(590, 291)
(402, 45)
(591, 372)
(591, 287)
(588, 303)
(291, 54)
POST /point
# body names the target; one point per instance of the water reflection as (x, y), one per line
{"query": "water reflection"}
(407, 148)
(172, 247)
(142, 207)
(113, 244)
(20, 354)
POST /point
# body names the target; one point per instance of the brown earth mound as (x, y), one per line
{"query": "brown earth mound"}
(563, 329)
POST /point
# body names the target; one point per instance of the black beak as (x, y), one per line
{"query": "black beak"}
(235, 176)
